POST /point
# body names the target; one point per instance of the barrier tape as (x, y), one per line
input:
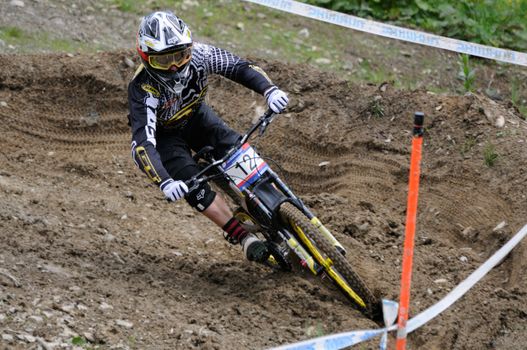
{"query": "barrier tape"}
(394, 32)
(342, 340)
(334, 342)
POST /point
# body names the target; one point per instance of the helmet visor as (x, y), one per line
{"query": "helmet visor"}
(166, 61)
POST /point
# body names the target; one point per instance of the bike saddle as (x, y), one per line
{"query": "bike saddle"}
(202, 152)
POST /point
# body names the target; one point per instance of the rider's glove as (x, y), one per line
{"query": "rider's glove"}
(174, 190)
(276, 99)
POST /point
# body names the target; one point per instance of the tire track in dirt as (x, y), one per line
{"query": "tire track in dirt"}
(75, 199)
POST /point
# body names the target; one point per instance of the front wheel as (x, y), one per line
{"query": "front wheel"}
(335, 264)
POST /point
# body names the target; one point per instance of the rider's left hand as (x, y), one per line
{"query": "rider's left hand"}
(174, 190)
(276, 99)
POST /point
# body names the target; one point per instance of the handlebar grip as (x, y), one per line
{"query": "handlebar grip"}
(268, 113)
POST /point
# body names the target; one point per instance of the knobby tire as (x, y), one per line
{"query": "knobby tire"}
(291, 213)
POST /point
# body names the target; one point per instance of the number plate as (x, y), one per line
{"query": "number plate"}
(245, 166)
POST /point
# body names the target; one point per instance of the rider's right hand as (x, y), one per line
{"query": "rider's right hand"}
(174, 190)
(277, 100)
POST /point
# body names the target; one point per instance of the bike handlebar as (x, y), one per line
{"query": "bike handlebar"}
(262, 123)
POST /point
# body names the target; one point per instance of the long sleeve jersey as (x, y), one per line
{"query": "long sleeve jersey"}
(154, 108)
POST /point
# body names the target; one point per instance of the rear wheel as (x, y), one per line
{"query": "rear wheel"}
(336, 265)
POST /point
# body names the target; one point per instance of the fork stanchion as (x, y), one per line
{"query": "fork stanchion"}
(411, 216)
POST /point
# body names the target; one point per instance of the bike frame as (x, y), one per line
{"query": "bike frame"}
(262, 199)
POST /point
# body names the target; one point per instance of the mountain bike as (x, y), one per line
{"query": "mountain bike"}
(270, 209)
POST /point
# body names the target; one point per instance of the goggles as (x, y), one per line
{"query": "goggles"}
(164, 62)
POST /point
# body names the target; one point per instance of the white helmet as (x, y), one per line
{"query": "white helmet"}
(164, 43)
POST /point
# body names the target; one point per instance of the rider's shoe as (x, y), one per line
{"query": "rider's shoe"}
(254, 249)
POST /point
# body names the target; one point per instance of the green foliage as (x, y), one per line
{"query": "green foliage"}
(11, 32)
(126, 5)
(373, 74)
(466, 74)
(79, 341)
(523, 111)
(491, 22)
(468, 145)
(142, 7)
(376, 108)
(28, 42)
(489, 155)
(517, 99)
(316, 330)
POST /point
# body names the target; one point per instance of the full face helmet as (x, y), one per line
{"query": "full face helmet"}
(164, 43)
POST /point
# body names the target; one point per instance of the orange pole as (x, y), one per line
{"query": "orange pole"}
(411, 216)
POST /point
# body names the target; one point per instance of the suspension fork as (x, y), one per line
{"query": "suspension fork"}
(306, 259)
(314, 220)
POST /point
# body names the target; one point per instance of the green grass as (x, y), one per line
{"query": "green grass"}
(29, 43)
(316, 330)
(437, 89)
(376, 108)
(126, 5)
(373, 74)
(466, 73)
(141, 7)
(516, 98)
(14, 33)
(468, 145)
(79, 341)
(489, 155)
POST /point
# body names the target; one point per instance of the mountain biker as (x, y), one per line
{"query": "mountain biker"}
(169, 118)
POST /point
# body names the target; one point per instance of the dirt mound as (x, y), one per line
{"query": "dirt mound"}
(98, 253)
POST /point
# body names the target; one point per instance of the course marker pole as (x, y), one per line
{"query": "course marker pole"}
(411, 216)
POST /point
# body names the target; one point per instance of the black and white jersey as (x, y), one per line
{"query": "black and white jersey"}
(157, 106)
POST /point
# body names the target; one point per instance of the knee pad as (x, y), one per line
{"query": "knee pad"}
(201, 197)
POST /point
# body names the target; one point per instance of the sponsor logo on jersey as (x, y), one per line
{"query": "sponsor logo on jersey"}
(150, 89)
(261, 71)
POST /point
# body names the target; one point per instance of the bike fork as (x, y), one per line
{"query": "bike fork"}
(314, 220)
(306, 259)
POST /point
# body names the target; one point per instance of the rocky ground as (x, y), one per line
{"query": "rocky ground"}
(92, 257)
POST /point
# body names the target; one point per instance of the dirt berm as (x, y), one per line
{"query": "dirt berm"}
(91, 254)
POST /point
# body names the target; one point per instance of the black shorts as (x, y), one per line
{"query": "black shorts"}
(204, 128)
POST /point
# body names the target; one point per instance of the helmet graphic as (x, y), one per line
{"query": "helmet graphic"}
(164, 43)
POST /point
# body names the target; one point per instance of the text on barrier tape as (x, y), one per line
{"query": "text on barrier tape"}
(395, 32)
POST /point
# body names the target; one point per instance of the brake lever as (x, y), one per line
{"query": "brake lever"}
(263, 127)
(192, 184)
(268, 118)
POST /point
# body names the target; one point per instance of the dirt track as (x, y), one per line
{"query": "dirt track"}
(99, 254)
